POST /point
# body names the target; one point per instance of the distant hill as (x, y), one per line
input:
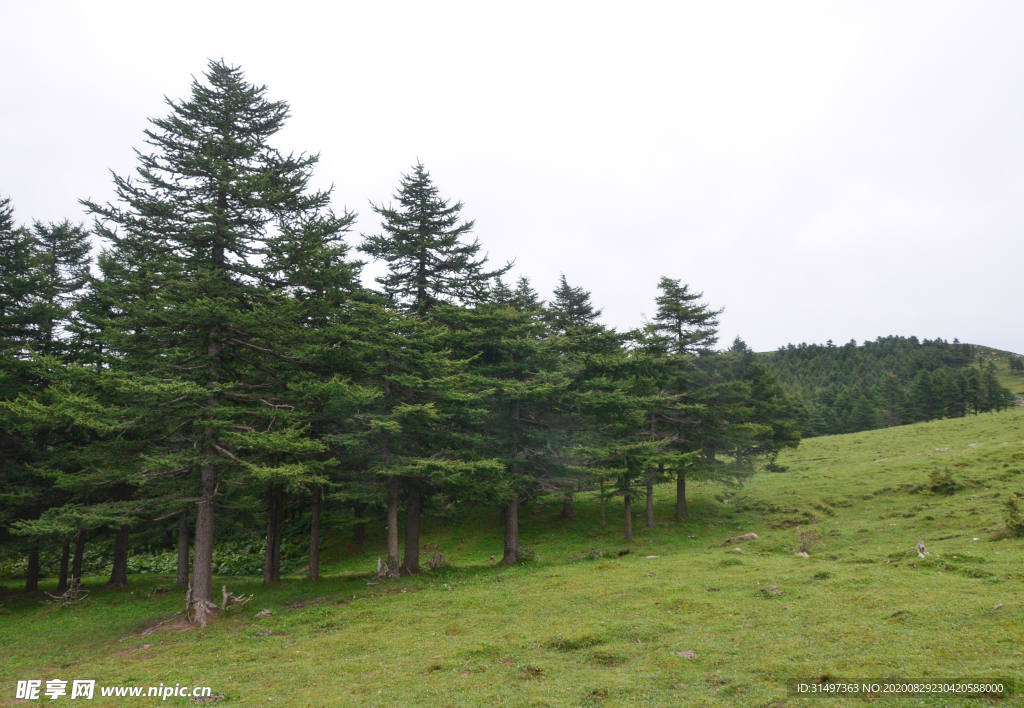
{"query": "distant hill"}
(894, 380)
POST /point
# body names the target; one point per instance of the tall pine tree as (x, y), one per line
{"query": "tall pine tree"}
(212, 247)
(429, 263)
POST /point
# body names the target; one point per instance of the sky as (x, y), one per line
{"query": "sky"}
(820, 170)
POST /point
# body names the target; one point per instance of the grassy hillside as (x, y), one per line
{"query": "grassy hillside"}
(1001, 359)
(584, 625)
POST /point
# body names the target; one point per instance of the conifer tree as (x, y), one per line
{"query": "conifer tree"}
(583, 343)
(213, 248)
(570, 308)
(682, 322)
(716, 412)
(863, 415)
(525, 298)
(41, 271)
(501, 293)
(429, 263)
(63, 272)
(770, 423)
(520, 369)
(19, 272)
(893, 400)
(20, 498)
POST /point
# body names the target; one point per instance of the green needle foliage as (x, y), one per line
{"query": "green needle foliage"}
(218, 254)
(220, 379)
(890, 381)
(570, 309)
(428, 262)
(682, 323)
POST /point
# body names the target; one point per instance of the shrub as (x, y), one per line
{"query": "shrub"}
(943, 483)
(1014, 514)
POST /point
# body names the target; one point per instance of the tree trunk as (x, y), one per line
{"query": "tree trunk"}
(314, 535)
(511, 531)
(65, 555)
(604, 519)
(650, 503)
(268, 546)
(119, 571)
(182, 579)
(411, 562)
(206, 507)
(32, 573)
(279, 532)
(76, 562)
(393, 527)
(275, 519)
(681, 495)
(628, 499)
(568, 511)
(202, 553)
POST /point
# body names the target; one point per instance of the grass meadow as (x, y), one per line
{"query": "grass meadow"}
(594, 621)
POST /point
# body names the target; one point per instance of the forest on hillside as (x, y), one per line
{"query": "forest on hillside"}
(890, 381)
(218, 380)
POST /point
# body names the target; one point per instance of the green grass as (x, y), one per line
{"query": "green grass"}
(1012, 381)
(571, 630)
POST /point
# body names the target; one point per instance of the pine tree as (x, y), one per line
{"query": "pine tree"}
(893, 400)
(520, 374)
(923, 398)
(41, 271)
(215, 247)
(863, 415)
(717, 412)
(19, 273)
(422, 243)
(20, 494)
(501, 293)
(525, 298)
(522, 298)
(594, 351)
(63, 273)
(684, 406)
(570, 309)
(774, 416)
(682, 322)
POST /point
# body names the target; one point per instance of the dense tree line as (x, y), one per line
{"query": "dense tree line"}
(219, 369)
(890, 381)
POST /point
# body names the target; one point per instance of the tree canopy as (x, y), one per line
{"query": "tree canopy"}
(220, 374)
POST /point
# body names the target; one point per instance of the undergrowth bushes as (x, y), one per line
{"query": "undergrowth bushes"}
(238, 558)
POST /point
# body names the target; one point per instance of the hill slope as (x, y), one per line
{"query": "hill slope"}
(892, 381)
(568, 630)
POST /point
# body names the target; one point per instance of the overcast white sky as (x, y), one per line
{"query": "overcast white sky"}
(823, 170)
